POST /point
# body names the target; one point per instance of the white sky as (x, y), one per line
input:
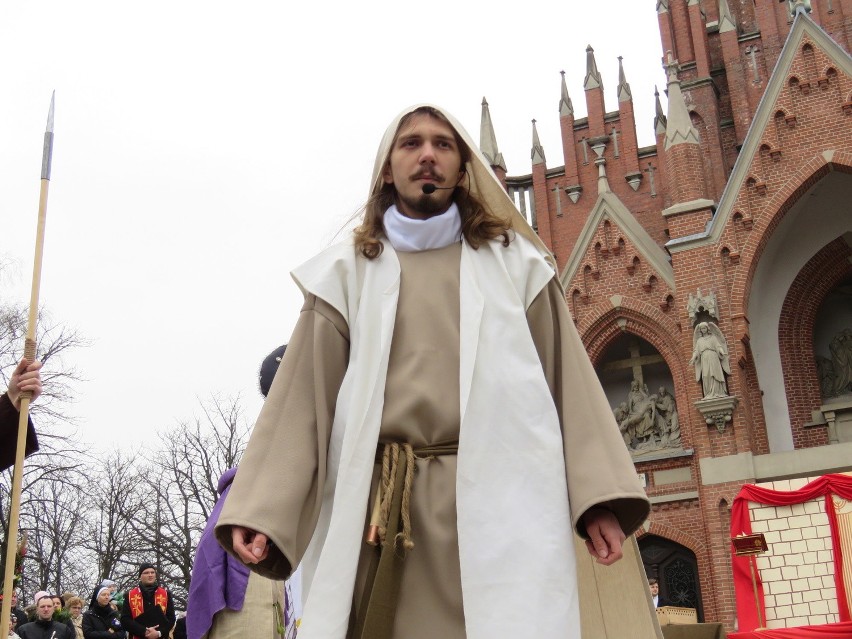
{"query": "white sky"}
(204, 149)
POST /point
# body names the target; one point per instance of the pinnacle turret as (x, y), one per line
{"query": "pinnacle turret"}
(488, 139)
(659, 117)
(565, 105)
(537, 153)
(593, 77)
(624, 94)
(679, 129)
(726, 18)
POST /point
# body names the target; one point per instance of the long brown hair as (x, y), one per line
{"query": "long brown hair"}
(478, 223)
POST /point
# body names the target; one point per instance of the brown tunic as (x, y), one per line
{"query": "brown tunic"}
(421, 408)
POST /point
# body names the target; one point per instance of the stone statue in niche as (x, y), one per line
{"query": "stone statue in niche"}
(648, 423)
(835, 374)
(710, 359)
(667, 409)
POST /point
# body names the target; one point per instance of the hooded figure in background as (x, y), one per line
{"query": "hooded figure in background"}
(226, 600)
(101, 620)
(433, 418)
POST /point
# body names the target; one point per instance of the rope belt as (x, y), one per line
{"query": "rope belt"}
(391, 508)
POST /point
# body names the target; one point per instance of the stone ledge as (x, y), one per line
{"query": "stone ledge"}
(665, 499)
(805, 462)
(688, 207)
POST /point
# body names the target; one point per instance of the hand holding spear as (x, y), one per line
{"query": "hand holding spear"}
(29, 355)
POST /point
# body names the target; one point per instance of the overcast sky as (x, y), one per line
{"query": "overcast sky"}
(204, 149)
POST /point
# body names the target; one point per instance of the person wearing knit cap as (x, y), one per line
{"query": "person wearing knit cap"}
(435, 435)
(44, 626)
(148, 611)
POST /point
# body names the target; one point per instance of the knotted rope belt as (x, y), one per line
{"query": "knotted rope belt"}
(391, 509)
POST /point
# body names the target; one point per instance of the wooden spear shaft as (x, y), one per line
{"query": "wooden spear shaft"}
(29, 355)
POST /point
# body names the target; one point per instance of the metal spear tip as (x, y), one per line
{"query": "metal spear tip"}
(49, 128)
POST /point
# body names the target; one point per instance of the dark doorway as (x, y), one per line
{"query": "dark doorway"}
(675, 568)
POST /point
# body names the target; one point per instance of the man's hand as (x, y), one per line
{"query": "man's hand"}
(25, 377)
(251, 546)
(605, 535)
(152, 632)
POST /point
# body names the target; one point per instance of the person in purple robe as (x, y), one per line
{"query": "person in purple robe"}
(222, 586)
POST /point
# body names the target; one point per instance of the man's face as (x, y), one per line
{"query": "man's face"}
(148, 577)
(425, 151)
(44, 608)
(655, 589)
(14, 599)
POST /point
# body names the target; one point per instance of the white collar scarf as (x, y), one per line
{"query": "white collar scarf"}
(407, 234)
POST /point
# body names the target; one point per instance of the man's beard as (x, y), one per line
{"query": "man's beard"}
(425, 204)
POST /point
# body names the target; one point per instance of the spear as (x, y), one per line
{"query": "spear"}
(29, 355)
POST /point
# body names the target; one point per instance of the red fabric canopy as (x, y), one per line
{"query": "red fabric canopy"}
(741, 523)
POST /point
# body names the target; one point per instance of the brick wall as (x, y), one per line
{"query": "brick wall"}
(798, 569)
(813, 114)
(796, 337)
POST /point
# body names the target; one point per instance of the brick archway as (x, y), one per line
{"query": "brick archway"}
(678, 569)
(823, 272)
(642, 320)
(783, 200)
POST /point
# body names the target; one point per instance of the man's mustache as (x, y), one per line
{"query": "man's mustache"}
(428, 174)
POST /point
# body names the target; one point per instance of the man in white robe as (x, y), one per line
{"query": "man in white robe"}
(436, 340)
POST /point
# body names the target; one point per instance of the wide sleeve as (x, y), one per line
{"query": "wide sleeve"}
(278, 489)
(9, 417)
(599, 468)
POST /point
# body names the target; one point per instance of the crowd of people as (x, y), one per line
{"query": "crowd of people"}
(145, 611)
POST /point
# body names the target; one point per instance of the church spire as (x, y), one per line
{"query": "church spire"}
(488, 139)
(565, 106)
(679, 129)
(593, 78)
(726, 18)
(659, 117)
(624, 94)
(537, 152)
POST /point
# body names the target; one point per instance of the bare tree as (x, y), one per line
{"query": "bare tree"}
(58, 458)
(181, 479)
(115, 492)
(54, 342)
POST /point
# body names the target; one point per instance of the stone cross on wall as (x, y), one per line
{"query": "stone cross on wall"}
(556, 190)
(751, 51)
(634, 362)
(650, 171)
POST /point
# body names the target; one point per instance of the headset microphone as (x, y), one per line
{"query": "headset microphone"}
(430, 188)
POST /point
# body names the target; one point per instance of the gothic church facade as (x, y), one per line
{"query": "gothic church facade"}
(710, 275)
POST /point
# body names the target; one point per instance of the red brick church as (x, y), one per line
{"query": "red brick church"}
(710, 275)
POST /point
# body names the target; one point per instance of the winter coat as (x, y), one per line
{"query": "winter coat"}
(46, 630)
(99, 620)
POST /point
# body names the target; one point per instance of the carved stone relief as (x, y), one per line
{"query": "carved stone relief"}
(648, 422)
